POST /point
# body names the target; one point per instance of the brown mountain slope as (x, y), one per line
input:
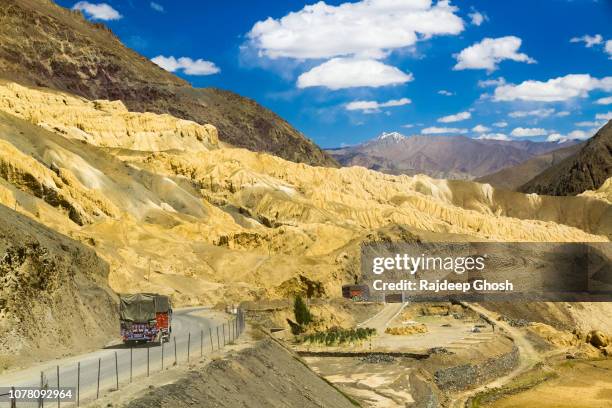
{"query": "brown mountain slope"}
(454, 157)
(43, 44)
(511, 178)
(586, 170)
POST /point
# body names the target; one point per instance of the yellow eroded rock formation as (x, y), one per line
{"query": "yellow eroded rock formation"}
(172, 211)
(104, 123)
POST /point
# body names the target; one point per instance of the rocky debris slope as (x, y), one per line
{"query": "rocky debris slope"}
(54, 293)
(588, 169)
(42, 44)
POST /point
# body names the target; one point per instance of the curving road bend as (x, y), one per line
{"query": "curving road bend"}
(191, 328)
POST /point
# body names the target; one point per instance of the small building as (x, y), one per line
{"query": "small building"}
(394, 297)
(356, 292)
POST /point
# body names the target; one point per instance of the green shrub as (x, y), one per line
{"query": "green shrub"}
(301, 312)
(338, 336)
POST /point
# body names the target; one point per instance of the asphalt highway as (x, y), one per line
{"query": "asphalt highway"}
(191, 329)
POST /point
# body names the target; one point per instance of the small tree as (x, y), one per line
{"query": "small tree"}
(301, 312)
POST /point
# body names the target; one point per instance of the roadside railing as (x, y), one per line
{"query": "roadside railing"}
(108, 370)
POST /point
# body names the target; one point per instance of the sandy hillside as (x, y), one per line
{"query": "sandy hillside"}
(173, 211)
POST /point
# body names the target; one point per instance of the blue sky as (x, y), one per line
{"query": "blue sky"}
(344, 72)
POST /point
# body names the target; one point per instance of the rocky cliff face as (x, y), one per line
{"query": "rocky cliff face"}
(45, 45)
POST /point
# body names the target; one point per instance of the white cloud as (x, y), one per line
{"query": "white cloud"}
(579, 134)
(489, 52)
(480, 129)
(445, 92)
(455, 118)
(100, 11)
(368, 28)
(528, 132)
(187, 65)
(157, 7)
(597, 39)
(434, 130)
(588, 40)
(604, 101)
(604, 116)
(408, 126)
(374, 107)
(493, 136)
(541, 113)
(591, 124)
(554, 90)
(492, 82)
(477, 18)
(339, 73)
(574, 135)
(501, 124)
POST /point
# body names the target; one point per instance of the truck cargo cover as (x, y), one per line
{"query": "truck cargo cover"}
(138, 307)
(162, 303)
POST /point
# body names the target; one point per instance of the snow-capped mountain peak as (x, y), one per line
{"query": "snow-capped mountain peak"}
(395, 136)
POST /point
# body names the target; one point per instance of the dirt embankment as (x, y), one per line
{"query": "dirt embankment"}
(54, 293)
(266, 375)
(464, 376)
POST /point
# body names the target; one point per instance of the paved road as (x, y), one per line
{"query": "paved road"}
(194, 322)
(381, 320)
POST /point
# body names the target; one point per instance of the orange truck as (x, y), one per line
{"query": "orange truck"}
(145, 317)
(356, 292)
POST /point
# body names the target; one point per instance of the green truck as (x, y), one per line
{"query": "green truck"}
(145, 317)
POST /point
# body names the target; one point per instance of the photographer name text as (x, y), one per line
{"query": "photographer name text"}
(480, 285)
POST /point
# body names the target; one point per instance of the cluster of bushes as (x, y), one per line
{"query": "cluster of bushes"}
(337, 336)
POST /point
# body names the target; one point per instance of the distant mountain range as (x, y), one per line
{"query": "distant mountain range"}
(42, 44)
(454, 157)
(586, 169)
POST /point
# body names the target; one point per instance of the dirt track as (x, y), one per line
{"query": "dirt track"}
(528, 356)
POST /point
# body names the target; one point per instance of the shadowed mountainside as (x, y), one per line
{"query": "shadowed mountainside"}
(511, 178)
(587, 169)
(43, 44)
